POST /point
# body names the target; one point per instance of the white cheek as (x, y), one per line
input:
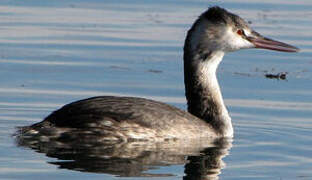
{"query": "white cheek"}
(234, 41)
(244, 44)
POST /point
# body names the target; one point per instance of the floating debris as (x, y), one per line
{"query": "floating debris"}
(281, 76)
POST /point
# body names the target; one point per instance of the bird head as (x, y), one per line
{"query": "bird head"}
(219, 30)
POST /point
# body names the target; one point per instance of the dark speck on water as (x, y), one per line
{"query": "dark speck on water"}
(279, 76)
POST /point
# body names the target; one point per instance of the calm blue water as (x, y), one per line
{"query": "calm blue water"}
(56, 52)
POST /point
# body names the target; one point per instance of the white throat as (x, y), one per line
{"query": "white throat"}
(207, 77)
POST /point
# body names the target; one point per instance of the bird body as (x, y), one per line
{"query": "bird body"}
(124, 118)
(213, 34)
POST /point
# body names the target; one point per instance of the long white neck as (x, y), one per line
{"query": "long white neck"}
(206, 73)
(202, 89)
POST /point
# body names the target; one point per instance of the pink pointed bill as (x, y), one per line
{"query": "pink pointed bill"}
(265, 43)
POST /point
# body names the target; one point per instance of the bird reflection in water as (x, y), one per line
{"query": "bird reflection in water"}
(202, 157)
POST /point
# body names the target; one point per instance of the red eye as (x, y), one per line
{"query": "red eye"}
(240, 32)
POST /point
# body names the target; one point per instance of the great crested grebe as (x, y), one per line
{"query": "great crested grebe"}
(214, 33)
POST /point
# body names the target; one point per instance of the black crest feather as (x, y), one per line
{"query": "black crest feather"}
(216, 14)
(219, 15)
